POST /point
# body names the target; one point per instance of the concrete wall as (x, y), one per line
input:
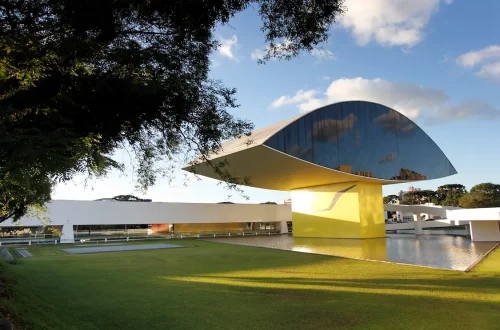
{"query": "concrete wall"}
(425, 224)
(209, 227)
(486, 214)
(485, 231)
(62, 212)
(425, 209)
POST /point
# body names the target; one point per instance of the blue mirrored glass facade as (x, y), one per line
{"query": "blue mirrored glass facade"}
(366, 139)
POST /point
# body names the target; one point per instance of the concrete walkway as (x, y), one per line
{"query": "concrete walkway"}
(100, 249)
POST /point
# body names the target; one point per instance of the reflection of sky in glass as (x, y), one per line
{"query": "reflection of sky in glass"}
(363, 138)
(439, 251)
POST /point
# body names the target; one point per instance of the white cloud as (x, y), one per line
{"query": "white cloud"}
(491, 70)
(299, 97)
(326, 78)
(258, 54)
(473, 58)
(487, 58)
(412, 100)
(227, 46)
(389, 22)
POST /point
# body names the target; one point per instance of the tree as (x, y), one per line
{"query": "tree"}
(489, 189)
(419, 197)
(478, 200)
(18, 192)
(450, 194)
(482, 195)
(130, 198)
(391, 199)
(80, 79)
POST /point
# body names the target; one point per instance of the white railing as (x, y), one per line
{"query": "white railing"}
(114, 238)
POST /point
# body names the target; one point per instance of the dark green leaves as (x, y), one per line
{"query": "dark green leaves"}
(80, 79)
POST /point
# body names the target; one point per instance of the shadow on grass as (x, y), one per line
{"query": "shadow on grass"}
(217, 286)
(358, 304)
(463, 284)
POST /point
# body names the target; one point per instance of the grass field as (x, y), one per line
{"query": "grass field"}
(218, 286)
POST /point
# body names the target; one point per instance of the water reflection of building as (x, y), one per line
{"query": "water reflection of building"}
(367, 174)
(408, 175)
(348, 169)
(345, 168)
(372, 249)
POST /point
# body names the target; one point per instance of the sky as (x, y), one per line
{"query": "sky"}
(437, 62)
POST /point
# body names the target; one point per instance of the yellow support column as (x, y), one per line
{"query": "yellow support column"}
(340, 210)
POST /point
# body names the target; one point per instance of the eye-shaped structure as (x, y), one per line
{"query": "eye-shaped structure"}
(354, 141)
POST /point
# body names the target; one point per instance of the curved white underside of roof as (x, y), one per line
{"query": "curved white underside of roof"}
(271, 169)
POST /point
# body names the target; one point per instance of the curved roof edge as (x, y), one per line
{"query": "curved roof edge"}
(295, 118)
(261, 135)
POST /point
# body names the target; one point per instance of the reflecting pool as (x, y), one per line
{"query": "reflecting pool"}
(439, 251)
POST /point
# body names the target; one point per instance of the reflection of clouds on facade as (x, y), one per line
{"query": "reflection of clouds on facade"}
(293, 150)
(365, 139)
(395, 124)
(300, 151)
(388, 158)
(328, 130)
(357, 138)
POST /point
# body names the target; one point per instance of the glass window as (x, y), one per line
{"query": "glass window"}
(366, 139)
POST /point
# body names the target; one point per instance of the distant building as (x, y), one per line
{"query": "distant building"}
(410, 189)
(288, 202)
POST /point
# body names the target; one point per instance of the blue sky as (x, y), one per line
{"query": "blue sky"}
(438, 62)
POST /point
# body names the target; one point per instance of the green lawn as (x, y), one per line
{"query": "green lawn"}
(219, 286)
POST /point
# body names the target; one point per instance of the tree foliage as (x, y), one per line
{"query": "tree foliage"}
(391, 199)
(478, 200)
(419, 197)
(482, 195)
(18, 192)
(450, 194)
(79, 79)
(130, 198)
(489, 189)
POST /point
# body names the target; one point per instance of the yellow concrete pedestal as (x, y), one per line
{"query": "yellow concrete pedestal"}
(340, 210)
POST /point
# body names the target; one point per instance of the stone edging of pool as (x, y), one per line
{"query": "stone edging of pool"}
(478, 261)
